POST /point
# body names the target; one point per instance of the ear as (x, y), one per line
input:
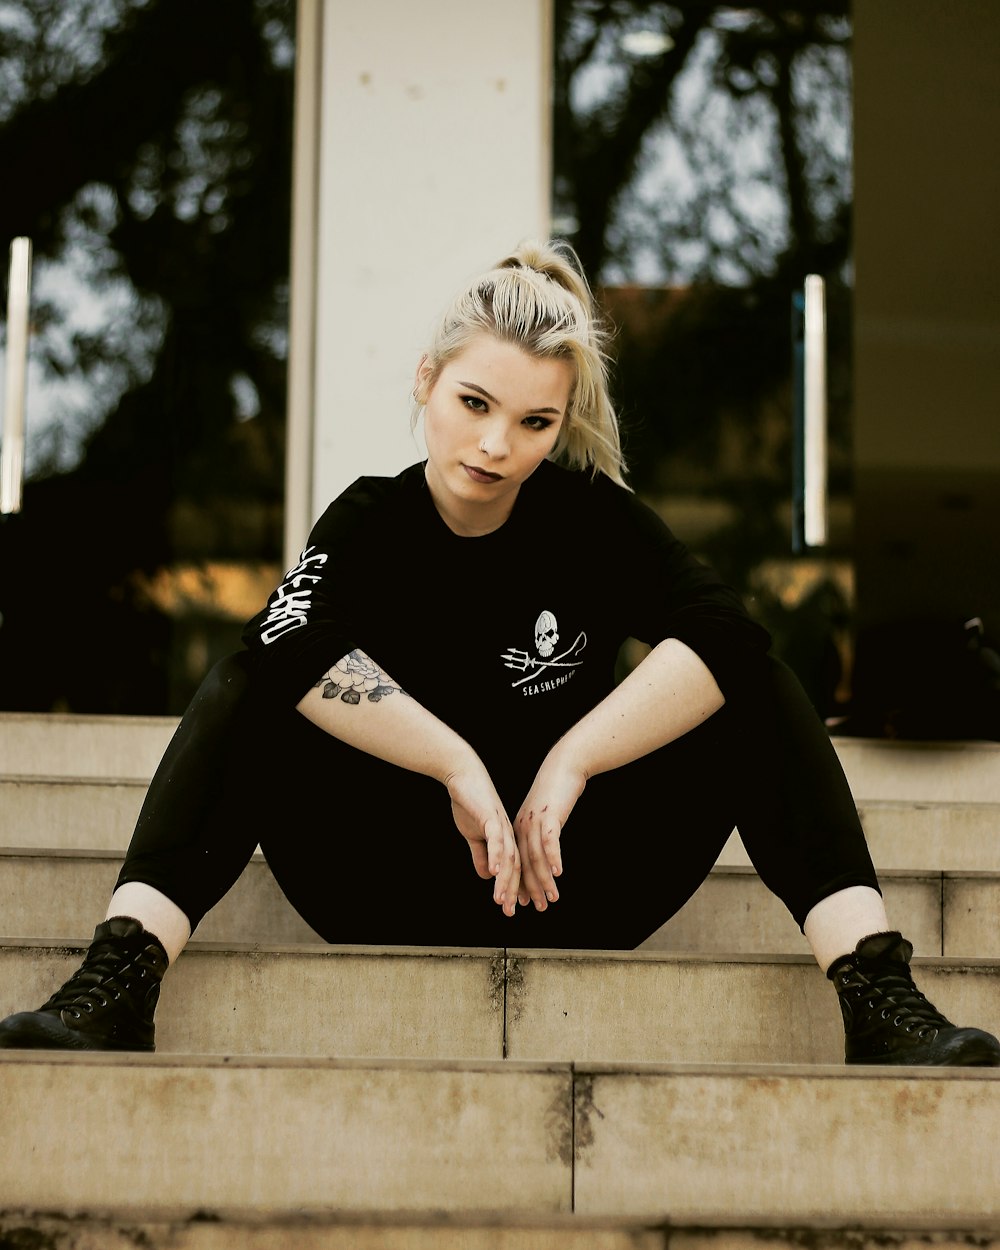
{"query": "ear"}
(423, 380)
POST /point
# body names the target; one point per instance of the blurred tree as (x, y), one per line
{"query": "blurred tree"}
(146, 145)
(702, 169)
(146, 150)
(770, 70)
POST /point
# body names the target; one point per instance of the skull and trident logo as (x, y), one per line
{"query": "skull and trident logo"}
(546, 641)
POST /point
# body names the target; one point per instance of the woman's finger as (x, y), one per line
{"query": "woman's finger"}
(552, 848)
(532, 889)
(538, 839)
(480, 858)
(505, 863)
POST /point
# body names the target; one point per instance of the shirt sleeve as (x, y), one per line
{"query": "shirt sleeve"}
(306, 624)
(675, 595)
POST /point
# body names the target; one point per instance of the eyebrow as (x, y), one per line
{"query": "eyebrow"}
(556, 412)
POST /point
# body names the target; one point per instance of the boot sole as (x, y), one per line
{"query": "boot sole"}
(32, 1030)
(970, 1048)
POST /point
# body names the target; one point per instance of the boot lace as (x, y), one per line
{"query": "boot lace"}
(106, 974)
(893, 996)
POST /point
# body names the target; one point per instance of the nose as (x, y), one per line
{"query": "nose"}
(495, 441)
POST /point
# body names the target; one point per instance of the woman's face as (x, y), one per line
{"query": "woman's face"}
(491, 417)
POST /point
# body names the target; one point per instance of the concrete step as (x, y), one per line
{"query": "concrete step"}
(597, 1139)
(680, 1140)
(72, 745)
(184, 1229)
(63, 894)
(301, 1000)
(921, 772)
(611, 1007)
(465, 1004)
(79, 813)
(71, 813)
(949, 913)
(940, 837)
(67, 745)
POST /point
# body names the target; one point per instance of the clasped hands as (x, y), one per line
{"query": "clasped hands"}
(524, 858)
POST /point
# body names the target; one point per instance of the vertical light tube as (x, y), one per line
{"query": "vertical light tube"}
(814, 405)
(12, 446)
(301, 386)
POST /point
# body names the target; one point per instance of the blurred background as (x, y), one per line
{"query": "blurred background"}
(146, 150)
(245, 215)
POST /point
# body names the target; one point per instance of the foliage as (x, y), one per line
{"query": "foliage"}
(149, 143)
(702, 169)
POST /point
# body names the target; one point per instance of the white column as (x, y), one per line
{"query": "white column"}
(433, 161)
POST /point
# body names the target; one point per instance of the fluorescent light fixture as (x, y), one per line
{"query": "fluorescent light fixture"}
(646, 42)
(12, 447)
(815, 412)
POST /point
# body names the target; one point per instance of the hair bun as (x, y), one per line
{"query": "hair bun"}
(557, 261)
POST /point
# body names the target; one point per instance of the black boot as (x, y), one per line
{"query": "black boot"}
(888, 1020)
(107, 1004)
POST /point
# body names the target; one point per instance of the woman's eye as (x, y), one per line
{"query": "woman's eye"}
(474, 402)
(537, 423)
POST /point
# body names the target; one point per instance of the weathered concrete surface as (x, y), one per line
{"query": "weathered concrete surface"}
(972, 913)
(788, 1143)
(935, 837)
(824, 1234)
(98, 814)
(306, 1135)
(64, 894)
(591, 1006)
(941, 836)
(734, 912)
(71, 745)
(502, 1230)
(585, 1006)
(313, 1001)
(78, 813)
(923, 772)
(610, 1140)
(93, 1131)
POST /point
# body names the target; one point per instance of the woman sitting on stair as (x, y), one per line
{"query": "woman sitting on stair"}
(442, 658)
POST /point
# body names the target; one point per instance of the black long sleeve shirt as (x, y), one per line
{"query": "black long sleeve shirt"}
(511, 637)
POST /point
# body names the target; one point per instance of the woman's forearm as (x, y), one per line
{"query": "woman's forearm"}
(359, 703)
(670, 693)
(665, 696)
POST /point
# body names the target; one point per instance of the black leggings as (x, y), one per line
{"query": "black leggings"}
(367, 853)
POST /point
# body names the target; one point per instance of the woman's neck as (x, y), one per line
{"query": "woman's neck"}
(472, 520)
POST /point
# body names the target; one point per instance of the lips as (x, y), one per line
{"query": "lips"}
(481, 475)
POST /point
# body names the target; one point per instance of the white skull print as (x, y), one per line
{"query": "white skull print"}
(546, 634)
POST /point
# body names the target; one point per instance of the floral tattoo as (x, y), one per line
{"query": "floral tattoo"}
(354, 675)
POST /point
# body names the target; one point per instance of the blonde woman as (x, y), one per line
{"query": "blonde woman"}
(435, 677)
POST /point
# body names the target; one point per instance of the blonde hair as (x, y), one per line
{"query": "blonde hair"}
(539, 299)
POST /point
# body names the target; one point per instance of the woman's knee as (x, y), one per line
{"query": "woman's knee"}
(229, 678)
(218, 710)
(225, 686)
(787, 696)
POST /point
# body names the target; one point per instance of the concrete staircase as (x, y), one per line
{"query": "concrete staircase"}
(689, 1095)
